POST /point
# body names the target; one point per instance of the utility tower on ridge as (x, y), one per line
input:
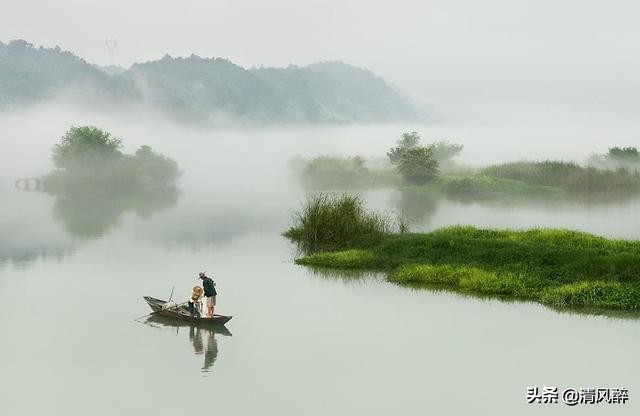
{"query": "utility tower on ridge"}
(111, 47)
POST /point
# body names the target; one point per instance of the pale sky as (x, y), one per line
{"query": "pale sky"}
(464, 56)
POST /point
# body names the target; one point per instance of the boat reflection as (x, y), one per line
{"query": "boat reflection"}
(202, 337)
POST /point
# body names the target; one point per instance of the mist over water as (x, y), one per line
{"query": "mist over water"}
(301, 341)
(236, 180)
(509, 80)
(31, 134)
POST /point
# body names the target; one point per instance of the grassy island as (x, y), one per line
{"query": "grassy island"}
(88, 158)
(555, 267)
(94, 181)
(431, 168)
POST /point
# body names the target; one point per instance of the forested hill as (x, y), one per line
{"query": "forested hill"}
(205, 89)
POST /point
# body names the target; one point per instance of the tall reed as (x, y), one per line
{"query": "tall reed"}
(329, 221)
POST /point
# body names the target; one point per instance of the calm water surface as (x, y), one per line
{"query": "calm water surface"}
(300, 342)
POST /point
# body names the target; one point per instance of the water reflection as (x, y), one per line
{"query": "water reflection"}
(427, 211)
(210, 350)
(194, 224)
(418, 207)
(201, 337)
(91, 215)
(27, 233)
(560, 199)
(617, 315)
(346, 276)
(24, 256)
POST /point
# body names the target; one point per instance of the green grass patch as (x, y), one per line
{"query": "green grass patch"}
(346, 259)
(595, 294)
(431, 274)
(555, 267)
(492, 283)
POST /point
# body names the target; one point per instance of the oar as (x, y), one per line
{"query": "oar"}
(147, 315)
(155, 312)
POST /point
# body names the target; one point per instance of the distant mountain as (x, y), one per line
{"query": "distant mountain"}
(29, 75)
(199, 89)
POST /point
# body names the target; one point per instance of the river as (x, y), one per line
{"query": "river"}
(300, 342)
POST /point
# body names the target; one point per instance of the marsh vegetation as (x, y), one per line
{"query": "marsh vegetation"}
(567, 176)
(330, 221)
(553, 266)
(432, 168)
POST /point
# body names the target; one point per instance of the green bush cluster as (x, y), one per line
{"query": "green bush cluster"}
(617, 157)
(90, 159)
(419, 165)
(325, 172)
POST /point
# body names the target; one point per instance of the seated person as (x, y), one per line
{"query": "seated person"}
(195, 302)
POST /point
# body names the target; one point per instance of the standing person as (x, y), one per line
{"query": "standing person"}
(209, 292)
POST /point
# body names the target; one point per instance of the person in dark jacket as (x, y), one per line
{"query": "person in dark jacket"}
(209, 292)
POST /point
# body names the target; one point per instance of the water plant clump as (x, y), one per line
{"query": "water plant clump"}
(329, 221)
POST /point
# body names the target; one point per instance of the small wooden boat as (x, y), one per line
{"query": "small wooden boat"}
(181, 312)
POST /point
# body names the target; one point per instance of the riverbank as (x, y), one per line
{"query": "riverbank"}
(555, 267)
(484, 186)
